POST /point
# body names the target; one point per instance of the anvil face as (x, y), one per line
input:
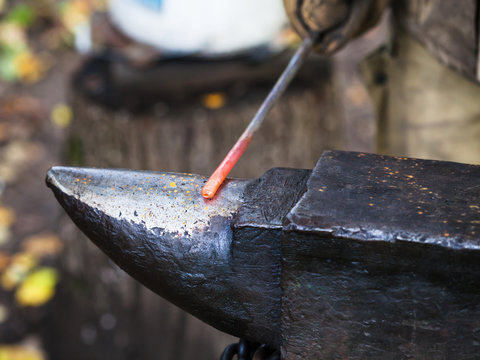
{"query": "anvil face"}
(161, 203)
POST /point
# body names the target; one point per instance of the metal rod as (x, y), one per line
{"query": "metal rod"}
(219, 175)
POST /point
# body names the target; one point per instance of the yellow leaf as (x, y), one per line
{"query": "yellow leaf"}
(29, 67)
(20, 265)
(12, 352)
(38, 288)
(61, 115)
(7, 216)
(214, 101)
(42, 245)
(4, 260)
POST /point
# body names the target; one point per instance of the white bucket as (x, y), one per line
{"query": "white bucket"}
(202, 27)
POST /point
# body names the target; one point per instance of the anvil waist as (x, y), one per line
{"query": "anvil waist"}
(365, 256)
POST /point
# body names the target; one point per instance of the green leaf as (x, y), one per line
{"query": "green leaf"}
(22, 15)
(8, 71)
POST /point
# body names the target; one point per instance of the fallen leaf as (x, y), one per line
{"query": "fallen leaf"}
(13, 36)
(29, 67)
(37, 288)
(22, 15)
(11, 278)
(3, 313)
(7, 216)
(61, 115)
(12, 352)
(20, 105)
(7, 173)
(8, 72)
(4, 235)
(16, 272)
(4, 260)
(19, 152)
(4, 132)
(214, 101)
(43, 245)
(24, 260)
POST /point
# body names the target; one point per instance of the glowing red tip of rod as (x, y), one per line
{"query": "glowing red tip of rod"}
(218, 177)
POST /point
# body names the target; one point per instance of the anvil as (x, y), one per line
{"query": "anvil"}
(363, 257)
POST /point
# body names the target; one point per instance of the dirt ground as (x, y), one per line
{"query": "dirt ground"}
(30, 143)
(34, 119)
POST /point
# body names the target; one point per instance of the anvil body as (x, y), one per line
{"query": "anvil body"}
(363, 257)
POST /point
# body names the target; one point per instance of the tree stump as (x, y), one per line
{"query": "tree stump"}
(109, 314)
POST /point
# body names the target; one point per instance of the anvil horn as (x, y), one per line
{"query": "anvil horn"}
(160, 230)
